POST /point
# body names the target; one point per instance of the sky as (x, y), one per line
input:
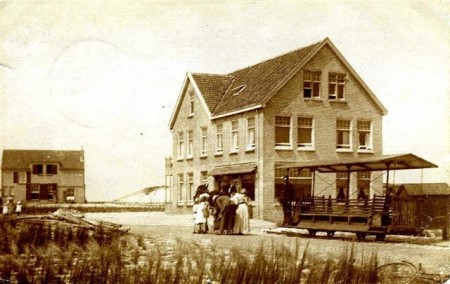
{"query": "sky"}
(104, 76)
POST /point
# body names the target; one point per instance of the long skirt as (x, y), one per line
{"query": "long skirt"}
(242, 221)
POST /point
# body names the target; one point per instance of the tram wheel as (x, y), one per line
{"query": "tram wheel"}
(330, 234)
(360, 236)
(312, 233)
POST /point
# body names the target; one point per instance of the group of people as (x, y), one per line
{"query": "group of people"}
(229, 208)
(9, 208)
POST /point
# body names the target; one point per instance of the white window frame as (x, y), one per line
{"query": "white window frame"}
(204, 137)
(341, 128)
(190, 188)
(313, 79)
(251, 134)
(180, 145)
(219, 139)
(367, 131)
(365, 177)
(22, 177)
(180, 185)
(191, 104)
(35, 189)
(337, 80)
(283, 145)
(204, 177)
(305, 146)
(234, 136)
(190, 144)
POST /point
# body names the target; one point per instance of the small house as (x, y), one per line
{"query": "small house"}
(43, 176)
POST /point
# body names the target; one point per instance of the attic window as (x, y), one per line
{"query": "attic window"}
(191, 103)
(237, 90)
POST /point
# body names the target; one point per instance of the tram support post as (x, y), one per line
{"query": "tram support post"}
(348, 187)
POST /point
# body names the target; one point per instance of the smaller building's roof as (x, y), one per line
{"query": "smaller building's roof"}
(374, 163)
(22, 159)
(233, 169)
(415, 189)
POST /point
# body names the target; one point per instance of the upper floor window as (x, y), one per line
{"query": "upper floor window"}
(204, 141)
(364, 135)
(20, 177)
(282, 130)
(251, 133)
(180, 145)
(234, 143)
(38, 169)
(336, 83)
(219, 138)
(343, 140)
(305, 132)
(190, 144)
(191, 103)
(311, 84)
(51, 169)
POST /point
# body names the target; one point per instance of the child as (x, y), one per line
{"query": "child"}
(201, 214)
(18, 208)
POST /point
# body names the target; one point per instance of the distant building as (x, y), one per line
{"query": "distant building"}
(308, 104)
(43, 176)
(436, 202)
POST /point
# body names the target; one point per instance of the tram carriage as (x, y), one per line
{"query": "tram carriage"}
(380, 215)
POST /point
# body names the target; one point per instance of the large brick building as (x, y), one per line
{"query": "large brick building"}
(307, 104)
(43, 176)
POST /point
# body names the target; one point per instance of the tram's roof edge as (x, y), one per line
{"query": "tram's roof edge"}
(355, 164)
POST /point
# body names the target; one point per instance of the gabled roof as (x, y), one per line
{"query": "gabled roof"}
(212, 87)
(22, 159)
(260, 80)
(252, 87)
(425, 188)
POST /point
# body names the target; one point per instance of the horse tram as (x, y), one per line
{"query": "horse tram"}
(380, 215)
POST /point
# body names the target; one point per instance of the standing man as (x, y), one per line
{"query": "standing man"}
(285, 198)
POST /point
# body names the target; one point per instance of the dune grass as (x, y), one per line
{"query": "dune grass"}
(52, 253)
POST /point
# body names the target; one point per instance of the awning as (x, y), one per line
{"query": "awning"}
(233, 169)
(374, 163)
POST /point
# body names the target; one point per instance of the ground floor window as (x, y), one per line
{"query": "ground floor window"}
(363, 185)
(180, 187)
(341, 186)
(300, 179)
(70, 194)
(190, 188)
(35, 191)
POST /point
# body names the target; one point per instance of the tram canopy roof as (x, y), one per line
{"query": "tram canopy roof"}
(355, 164)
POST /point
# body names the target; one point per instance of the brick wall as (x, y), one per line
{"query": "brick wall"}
(288, 101)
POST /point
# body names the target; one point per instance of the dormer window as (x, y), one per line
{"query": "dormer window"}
(237, 90)
(311, 84)
(336, 84)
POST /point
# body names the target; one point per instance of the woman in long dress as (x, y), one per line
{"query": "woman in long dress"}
(242, 221)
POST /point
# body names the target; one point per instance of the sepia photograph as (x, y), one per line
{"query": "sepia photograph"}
(225, 141)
